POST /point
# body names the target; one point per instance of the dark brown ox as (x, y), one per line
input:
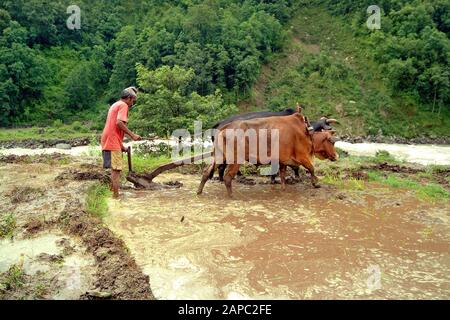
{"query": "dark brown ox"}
(295, 147)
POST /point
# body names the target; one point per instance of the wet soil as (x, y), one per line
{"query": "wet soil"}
(53, 158)
(44, 143)
(326, 243)
(62, 252)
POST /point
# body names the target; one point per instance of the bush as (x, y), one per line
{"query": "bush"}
(77, 126)
(57, 123)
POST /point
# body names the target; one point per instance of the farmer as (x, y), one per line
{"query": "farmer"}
(112, 136)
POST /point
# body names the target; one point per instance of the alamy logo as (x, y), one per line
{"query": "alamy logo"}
(374, 280)
(73, 281)
(374, 21)
(74, 20)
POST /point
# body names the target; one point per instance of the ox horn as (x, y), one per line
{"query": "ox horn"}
(331, 121)
(299, 108)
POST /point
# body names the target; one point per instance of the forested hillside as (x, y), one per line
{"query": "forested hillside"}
(205, 59)
(393, 81)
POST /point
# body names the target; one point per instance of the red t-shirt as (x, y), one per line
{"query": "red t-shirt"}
(112, 136)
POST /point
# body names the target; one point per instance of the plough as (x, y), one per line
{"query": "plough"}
(145, 180)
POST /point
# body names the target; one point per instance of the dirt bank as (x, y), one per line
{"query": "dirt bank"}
(399, 140)
(44, 143)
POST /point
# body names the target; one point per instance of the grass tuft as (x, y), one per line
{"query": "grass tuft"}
(12, 279)
(7, 226)
(96, 200)
(429, 191)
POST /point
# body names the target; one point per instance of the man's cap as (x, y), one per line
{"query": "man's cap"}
(134, 89)
(129, 92)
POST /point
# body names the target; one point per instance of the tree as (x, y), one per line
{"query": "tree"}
(169, 102)
(126, 57)
(23, 74)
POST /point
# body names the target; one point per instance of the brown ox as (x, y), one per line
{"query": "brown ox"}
(295, 147)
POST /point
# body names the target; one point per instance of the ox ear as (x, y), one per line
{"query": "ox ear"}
(332, 132)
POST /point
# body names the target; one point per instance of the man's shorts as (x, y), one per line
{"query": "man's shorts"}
(112, 160)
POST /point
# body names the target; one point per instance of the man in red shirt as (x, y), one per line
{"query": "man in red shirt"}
(113, 133)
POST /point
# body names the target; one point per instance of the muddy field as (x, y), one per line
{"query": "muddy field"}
(56, 249)
(358, 239)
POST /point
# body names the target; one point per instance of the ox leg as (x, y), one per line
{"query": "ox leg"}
(283, 176)
(273, 179)
(211, 174)
(205, 177)
(296, 171)
(222, 168)
(232, 171)
(314, 180)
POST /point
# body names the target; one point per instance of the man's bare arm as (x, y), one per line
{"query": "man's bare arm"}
(122, 126)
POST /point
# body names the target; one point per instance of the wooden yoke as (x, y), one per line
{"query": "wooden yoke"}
(309, 128)
(299, 108)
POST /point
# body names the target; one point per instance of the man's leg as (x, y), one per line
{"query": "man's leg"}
(116, 166)
(115, 181)
(106, 155)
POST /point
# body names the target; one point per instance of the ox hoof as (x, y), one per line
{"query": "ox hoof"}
(317, 186)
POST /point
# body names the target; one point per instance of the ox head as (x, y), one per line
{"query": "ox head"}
(324, 124)
(324, 145)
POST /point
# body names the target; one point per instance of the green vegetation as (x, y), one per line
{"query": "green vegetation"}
(384, 156)
(354, 173)
(7, 225)
(12, 279)
(49, 72)
(146, 163)
(75, 130)
(351, 73)
(412, 47)
(429, 191)
(350, 183)
(199, 59)
(40, 291)
(171, 102)
(96, 200)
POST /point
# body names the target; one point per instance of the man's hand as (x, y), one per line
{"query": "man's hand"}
(122, 126)
(136, 137)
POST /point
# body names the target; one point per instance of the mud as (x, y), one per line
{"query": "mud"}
(92, 174)
(25, 194)
(61, 251)
(300, 244)
(47, 271)
(52, 158)
(117, 276)
(393, 168)
(303, 243)
(44, 143)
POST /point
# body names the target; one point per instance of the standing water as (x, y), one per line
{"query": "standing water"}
(421, 154)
